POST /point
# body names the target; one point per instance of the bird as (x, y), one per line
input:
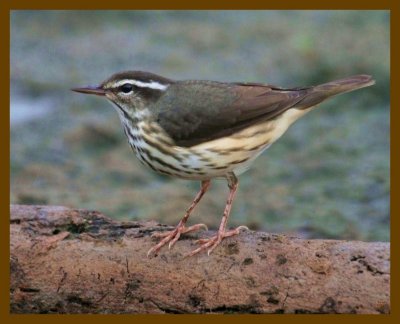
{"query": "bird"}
(202, 130)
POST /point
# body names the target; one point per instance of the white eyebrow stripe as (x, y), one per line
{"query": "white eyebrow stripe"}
(152, 84)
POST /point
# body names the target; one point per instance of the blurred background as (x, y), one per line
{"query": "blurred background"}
(327, 177)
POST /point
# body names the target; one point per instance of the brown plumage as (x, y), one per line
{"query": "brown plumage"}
(202, 130)
(190, 116)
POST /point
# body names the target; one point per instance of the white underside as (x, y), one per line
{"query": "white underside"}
(195, 160)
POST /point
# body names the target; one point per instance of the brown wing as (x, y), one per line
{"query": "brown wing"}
(198, 111)
(192, 112)
(258, 101)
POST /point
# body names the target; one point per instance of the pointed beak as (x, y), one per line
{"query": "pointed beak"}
(91, 90)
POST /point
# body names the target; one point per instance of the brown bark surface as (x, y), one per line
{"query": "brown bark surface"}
(78, 261)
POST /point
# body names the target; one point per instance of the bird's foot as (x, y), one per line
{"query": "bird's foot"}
(211, 243)
(171, 237)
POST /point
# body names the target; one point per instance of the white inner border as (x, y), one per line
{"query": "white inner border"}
(152, 84)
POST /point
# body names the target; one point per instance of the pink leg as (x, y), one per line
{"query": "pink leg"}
(214, 241)
(172, 236)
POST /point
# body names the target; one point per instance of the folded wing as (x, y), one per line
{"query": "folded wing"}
(193, 112)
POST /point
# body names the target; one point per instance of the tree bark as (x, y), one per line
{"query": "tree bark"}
(77, 261)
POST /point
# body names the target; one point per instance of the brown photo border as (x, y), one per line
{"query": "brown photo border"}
(6, 6)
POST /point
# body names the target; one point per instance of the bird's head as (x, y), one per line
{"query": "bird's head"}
(130, 90)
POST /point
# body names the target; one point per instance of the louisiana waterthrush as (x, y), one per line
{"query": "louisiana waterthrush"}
(200, 130)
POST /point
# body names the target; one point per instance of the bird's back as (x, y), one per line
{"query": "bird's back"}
(194, 112)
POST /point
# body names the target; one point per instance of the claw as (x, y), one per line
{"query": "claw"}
(212, 242)
(149, 252)
(171, 237)
(176, 238)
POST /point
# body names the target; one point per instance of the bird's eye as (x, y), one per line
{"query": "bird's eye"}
(126, 88)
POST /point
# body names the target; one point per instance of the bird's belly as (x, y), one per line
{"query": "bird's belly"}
(192, 164)
(228, 154)
(197, 163)
(234, 153)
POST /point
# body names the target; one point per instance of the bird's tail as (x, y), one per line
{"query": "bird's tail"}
(319, 93)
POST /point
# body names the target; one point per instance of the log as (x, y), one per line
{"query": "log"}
(78, 261)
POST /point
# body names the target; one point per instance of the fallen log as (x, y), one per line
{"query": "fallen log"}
(78, 261)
